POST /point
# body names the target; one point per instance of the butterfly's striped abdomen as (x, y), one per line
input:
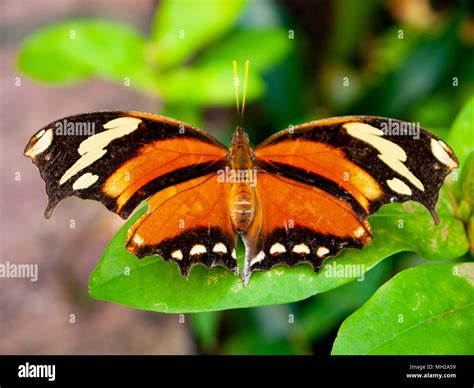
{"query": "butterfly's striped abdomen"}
(243, 179)
(242, 205)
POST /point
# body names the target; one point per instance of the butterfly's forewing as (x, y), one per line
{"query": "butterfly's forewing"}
(189, 224)
(120, 158)
(360, 163)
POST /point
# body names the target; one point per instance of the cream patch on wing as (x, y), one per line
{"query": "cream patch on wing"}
(177, 255)
(85, 181)
(42, 141)
(137, 239)
(359, 232)
(390, 153)
(322, 251)
(198, 249)
(277, 249)
(219, 248)
(439, 151)
(257, 259)
(301, 249)
(398, 186)
(92, 149)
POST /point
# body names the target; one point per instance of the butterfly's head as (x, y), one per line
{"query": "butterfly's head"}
(240, 136)
(240, 152)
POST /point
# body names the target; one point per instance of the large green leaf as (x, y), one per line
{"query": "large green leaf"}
(182, 27)
(78, 49)
(153, 284)
(422, 310)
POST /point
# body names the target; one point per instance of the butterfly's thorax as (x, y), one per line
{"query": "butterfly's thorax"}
(242, 194)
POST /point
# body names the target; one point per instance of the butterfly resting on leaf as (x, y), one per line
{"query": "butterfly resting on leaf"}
(302, 195)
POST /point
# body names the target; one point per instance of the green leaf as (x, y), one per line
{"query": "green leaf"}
(422, 310)
(465, 211)
(78, 49)
(208, 85)
(153, 284)
(182, 27)
(467, 180)
(461, 136)
(262, 48)
(326, 311)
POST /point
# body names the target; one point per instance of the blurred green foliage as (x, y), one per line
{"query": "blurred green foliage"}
(183, 62)
(375, 57)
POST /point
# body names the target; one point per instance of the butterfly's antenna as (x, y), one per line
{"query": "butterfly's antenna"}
(245, 92)
(236, 85)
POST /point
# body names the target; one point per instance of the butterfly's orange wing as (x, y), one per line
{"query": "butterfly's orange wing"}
(123, 158)
(328, 176)
(297, 222)
(189, 224)
(120, 158)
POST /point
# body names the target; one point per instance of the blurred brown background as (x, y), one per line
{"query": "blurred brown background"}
(35, 316)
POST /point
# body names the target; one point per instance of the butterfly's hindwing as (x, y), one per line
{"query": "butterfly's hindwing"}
(188, 224)
(297, 222)
(296, 245)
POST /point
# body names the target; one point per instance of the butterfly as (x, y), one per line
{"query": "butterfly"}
(302, 195)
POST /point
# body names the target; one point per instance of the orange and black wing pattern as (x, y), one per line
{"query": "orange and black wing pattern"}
(123, 158)
(188, 224)
(298, 222)
(315, 184)
(120, 158)
(318, 183)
